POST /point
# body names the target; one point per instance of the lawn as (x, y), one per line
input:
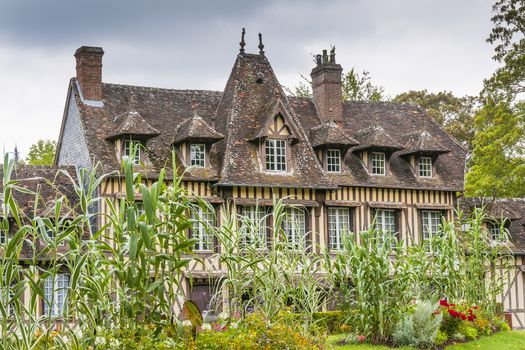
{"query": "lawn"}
(514, 340)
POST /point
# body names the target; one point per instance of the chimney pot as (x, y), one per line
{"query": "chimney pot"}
(327, 87)
(89, 71)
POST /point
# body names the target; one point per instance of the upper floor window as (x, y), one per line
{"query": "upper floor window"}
(201, 228)
(378, 163)
(253, 225)
(294, 226)
(198, 155)
(55, 293)
(132, 150)
(430, 219)
(333, 161)
(425, 166)
(496, 234)
(386, 221)
(338, 226)
(275, 155)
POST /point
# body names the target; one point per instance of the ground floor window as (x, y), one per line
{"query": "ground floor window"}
(55, 293)
(430, 219)
(386, 220)
(253, 228)
(338, 226)
(202, 223)
(294, 226)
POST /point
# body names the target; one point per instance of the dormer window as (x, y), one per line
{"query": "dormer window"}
(378, 163)
(425, 166)
(275, 155)
(333, 161)
(132, 150)
(198, 155)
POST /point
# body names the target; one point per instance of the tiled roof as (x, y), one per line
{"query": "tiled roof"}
(375, 137)
(196, 129)
(422, 142)
(132, 124)
(329, 134)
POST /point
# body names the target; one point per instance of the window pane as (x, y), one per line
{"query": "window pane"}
(197, 155)
(294, 226)
(131, 146)
(378, 163)
(338, 226)
(386, 221)
(425, 167)
(253, 225)
(333, 161)
(431, 221)
(275, 155)
(495, 232)
(55, 292)
(202, 221)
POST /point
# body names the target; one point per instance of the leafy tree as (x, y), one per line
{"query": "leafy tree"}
(42, 153)
(359, 87)
(497, 165)
(508, 34)
(454, 114)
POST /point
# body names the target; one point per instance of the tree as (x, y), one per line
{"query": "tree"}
(454, 114)
(359, 87)
(508, 34)
(497, 165)
(42, 153)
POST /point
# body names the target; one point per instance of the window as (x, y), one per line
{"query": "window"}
(333, 161)
(3, 236)
(253, 225)
(198, 155)
(276, 155)
(425, 166)
(202, 221)
(431, 220)
(6, 298)
(132, 150)
(378, 163)
(51, 234)
(294, 226)
(386, 221)
(55, 292)
(338, 226)
(496, 235)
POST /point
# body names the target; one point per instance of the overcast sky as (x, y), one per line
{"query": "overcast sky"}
(404, 44)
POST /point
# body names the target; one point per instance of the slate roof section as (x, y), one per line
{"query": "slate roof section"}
(132, 124)
(330, 135)
(512, 209)
(196, 129)
(251, 96)
(423, 143)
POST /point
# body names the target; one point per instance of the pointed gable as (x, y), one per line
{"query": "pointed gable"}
(196, 129)
(132, 124)
(423, 143)
(254, 105)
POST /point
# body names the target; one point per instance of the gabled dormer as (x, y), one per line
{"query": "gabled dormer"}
(275, 140)
(193, 141)
(130, 136)
(422, 151)
(331, 144)
(375, 149)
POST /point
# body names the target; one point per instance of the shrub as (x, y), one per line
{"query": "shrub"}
(420, 328)
(441, 338)
(468, 331)
(500, 324)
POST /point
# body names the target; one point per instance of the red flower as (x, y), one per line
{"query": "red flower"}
(475, 307)
(452, 305)
(471, 318)
(452, 313)
(463, 316)
(443, 302)
(361, 338)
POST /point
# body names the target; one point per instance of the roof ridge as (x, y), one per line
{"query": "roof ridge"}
(151, 88)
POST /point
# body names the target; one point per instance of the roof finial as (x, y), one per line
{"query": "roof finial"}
(242, 43)
(261, 46)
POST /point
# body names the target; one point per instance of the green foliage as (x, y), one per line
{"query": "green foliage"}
(501, 324)
(441, 338)
(508, 36)
(454, 114)
(359, 87)
(498, 168)
(256, 332)
(468, 331)
(42, 153)
(420, 328)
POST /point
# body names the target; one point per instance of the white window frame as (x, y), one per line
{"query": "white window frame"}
(496, 236)
(294, 227)
(275, 155)
(425, 167)
(253, 218)
(339, 224)
(55, 292)
(51, 235)
(198, 149)
(128, 146)
(378, 163)
(202, 221)
(333, 160)
(387, 218)
(431, 220)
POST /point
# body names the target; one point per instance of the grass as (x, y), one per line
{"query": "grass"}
(514, 340)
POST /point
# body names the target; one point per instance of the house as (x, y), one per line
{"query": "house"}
(345, 162)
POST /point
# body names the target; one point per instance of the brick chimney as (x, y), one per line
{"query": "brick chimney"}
(326, 87)
(89, 71)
